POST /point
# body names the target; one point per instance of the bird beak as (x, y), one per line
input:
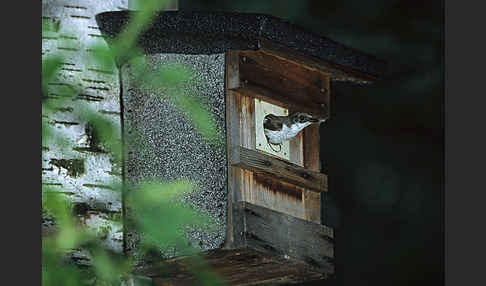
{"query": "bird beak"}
(315, 120)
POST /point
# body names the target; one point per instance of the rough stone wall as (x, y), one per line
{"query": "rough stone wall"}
(82, 169)
(171, 148)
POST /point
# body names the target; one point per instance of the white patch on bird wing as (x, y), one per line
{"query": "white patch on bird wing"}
(276, 137)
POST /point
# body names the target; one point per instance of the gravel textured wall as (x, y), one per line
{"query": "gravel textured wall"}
(171, 148)
(81, 169)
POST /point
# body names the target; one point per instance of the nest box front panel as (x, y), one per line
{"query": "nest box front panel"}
(289, 181)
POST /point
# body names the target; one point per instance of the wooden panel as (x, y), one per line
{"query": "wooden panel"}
(337, 72)
(245, 185)
(297, 150)
(232, 80)
(311, 148)
(287, 236)
(276, 195)
(260, 163)
(254, 91)
(271, 195)
(297, 83)
(247, 121)
(312, 206)
(300, 74)
(311, 139)
(234, 267)
(312, 200)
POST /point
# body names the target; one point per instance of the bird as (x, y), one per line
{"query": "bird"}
(278, 129)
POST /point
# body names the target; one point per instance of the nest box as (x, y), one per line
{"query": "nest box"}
(266, 203)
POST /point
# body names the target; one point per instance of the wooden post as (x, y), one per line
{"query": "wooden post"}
(232, 80)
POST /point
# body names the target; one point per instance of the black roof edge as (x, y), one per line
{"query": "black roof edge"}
(193, 32)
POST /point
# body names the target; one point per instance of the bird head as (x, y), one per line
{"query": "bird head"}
(300, 117)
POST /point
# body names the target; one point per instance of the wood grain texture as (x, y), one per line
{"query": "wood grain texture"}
(298, 83)
(253, 188)
(287, 236)
(299, 74)
(280, 99)
(311, 148)
(260, 188)
(297, 150)
(280, 169)
(312, 206)
(312, 201)
(337, 72)
(236, 267)
(277, 195)
(232, 137)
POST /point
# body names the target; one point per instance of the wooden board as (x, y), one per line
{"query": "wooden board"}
(236, 267)
(312, 200)
(232, 80)
(254, 91)
(287, 236)
(336, 72)
(277, 168)
(294, 82)
(275, 194)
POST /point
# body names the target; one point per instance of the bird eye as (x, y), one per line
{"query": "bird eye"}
(302, 118)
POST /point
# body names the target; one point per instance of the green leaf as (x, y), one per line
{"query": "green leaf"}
(110, 267)
(172, 75)
(102, 57)
(50, 26)
(50, 68)
(104, 130)
(202, 119)
(161, 214)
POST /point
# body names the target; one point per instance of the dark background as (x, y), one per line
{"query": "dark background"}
(383, 146)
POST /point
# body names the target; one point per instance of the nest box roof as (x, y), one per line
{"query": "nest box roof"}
(191, 32)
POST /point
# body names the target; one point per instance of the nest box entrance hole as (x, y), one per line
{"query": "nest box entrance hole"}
(262, 109)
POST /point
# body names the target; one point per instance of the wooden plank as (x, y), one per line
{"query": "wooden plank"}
(297, 73)
(247, 122)
(264, 164)
(280, 99)
(297, 149)
(311, 148)
(277, 195)
(232, 69)
(287, 236)
(312, 206)
(337, 72)
(232, 137)
(312, 201)
(236, 267)
(274, 79)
